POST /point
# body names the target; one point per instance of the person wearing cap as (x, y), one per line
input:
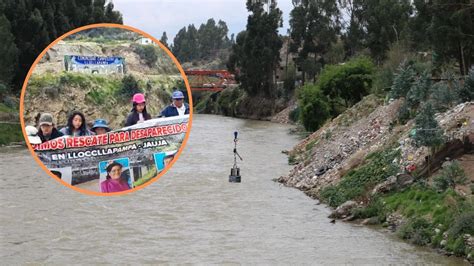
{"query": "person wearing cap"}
(47, 131)
(32, 135)
(178, 107)
(114, 181)
(138, 114)
(100, 127)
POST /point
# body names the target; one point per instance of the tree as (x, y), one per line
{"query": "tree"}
(451, 31)
(428, 133)
(466, 92)
(419, 91)
(112, 15)
(8, 53)
(186, 46)
(314, 26)
(34, 24)
(256, 53)
(347, 83)
(451, 175)
(418, 25)
(192, 44)
(402, 80)
(445, 93)
(354, 36)
(384, 21)
(164, 39)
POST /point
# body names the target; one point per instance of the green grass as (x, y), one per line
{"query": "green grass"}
(311, 144)
(425, 210)
(6, 109)
(441, 208)
(10, 133)
(377, 168)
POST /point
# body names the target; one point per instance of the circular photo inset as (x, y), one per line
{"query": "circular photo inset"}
(106, 109)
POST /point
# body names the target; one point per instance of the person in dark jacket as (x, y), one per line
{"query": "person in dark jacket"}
(138, 113)
(47, 131)
(178, 107)
(76, 125)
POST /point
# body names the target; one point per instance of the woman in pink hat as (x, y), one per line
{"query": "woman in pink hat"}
(138, 113)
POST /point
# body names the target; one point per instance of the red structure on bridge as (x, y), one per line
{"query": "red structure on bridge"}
(209, 80)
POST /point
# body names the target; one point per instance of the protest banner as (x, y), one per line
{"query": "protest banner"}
(144, 149)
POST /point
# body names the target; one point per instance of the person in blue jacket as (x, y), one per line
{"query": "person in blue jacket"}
(177, 108)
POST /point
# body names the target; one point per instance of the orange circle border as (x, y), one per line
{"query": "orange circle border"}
(107, 25)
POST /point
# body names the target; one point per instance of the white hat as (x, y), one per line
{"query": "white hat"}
(32, 134)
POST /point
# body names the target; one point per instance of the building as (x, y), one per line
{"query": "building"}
(145, 41)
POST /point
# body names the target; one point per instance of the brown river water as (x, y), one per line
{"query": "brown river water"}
(192, 214)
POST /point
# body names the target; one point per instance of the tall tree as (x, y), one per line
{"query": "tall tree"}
(384, 22)
(164, 39)
(314, 27)
(257, 52)
(34, 24)
(452, 31)
(8, 54)
(354, 36)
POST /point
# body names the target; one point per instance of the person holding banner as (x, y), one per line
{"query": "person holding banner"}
(47, 131)
(100, 127)
(114, 181)
(138, 113)
(178, 107)
(76, 126)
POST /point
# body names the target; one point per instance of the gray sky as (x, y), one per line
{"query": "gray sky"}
(156, 16)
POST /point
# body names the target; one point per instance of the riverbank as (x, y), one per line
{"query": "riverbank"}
(235, 102)
(356, 164)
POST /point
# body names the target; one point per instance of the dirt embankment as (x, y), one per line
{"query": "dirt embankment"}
(342, 144)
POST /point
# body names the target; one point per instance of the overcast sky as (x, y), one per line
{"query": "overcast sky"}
(156, 16)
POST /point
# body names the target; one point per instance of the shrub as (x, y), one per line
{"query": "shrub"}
(333, 196)
(417, 231)
(4, 89)
(419, 91)
(147, 53)
(463, 224)
(466, 92)
(10, 133)
(457, 245)
(383, 79)
(374, 209)
(450, 175)
(294, 114)
(129, 86)
(428, 132)
(347, 83)
(404, 113)
(314, 107)
(442, 97)
(228, 100)
(79, 80)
